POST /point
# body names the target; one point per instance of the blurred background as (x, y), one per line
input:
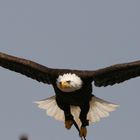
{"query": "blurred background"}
(74, 34)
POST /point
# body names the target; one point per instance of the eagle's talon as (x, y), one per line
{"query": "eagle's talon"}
(68, 124)
(83, 132)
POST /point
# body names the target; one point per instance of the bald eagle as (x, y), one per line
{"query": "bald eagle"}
(74, 102)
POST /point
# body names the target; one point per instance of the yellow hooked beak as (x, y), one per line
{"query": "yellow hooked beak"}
(64, 85)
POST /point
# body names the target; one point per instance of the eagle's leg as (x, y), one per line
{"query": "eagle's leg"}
(67, 114)
(68, 120)
(83, 117)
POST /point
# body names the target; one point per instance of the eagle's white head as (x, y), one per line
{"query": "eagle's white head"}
(69, 82)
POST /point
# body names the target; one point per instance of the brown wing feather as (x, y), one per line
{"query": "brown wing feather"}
(116, 74)
(34, 70)
(25, 67)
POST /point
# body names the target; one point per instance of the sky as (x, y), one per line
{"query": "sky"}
(74, 34)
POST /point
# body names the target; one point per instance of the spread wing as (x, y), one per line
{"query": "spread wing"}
(27, 67)
(34, 70)
(115, 74)
(103, 77)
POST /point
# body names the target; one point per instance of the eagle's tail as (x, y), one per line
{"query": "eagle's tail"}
(98, 109)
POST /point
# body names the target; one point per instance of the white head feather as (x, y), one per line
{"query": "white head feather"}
(75, 82)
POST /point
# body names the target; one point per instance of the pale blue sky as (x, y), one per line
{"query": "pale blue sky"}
(75, 34)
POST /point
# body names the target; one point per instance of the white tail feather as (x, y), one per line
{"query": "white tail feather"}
(98, 109)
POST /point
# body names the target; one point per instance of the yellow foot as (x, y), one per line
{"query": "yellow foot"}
(83, 132)
(68, 124)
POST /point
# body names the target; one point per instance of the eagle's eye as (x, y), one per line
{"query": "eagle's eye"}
(68, 81)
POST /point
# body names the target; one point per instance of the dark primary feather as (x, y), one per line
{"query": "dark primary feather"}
(25, 67)
(116, 74)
